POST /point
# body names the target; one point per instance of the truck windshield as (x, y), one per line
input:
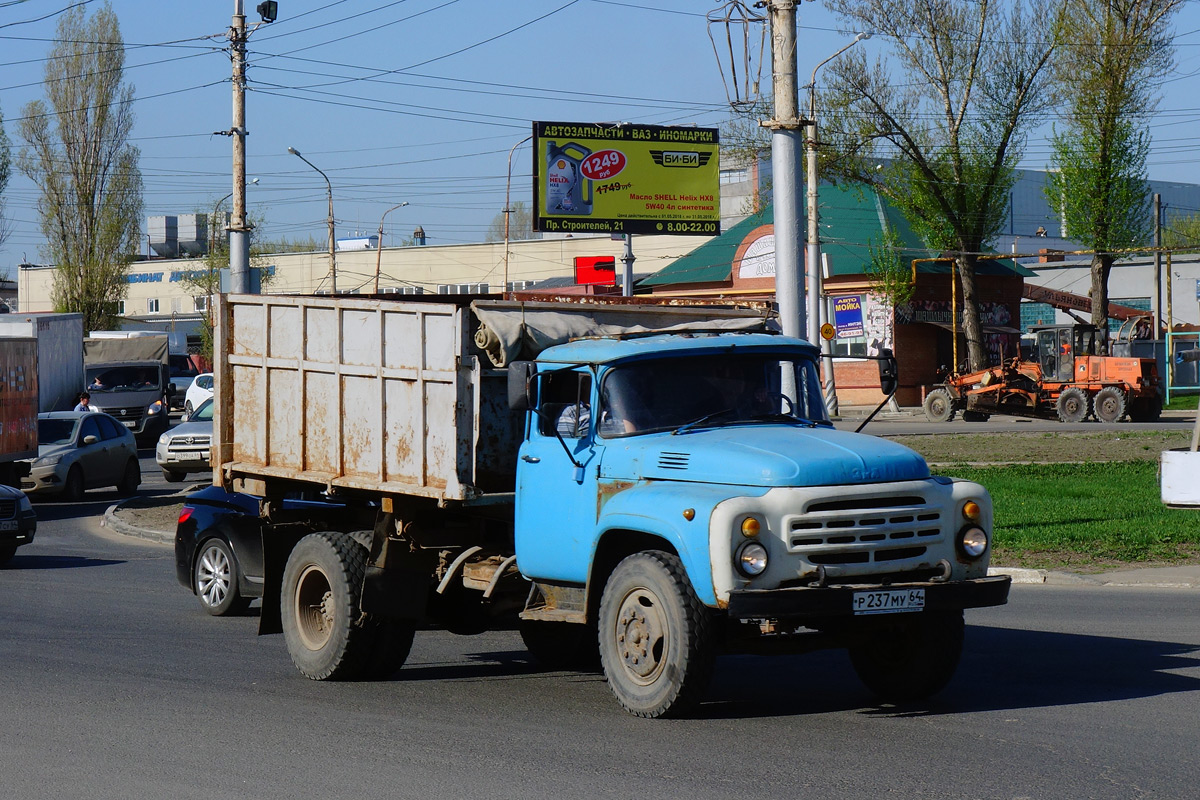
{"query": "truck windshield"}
(122, 379)
(704, 391)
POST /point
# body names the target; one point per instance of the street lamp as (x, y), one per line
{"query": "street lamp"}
(507, 208)
(379, 242)
(814, 241)
(329, 191)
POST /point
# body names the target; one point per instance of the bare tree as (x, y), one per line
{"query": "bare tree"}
(5, 166)
(1113, 54)
(941, 140)
(78, 154)
(520, 226)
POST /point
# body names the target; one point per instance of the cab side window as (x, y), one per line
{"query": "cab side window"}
(565, 404)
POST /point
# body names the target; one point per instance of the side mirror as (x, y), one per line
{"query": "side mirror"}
(91, 439)
(171, 390)
(522, 388)
(889, 372)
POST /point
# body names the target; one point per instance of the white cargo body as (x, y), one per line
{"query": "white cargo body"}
(59, 355)
(355, 394)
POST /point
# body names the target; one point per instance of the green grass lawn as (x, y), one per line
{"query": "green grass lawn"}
(1182, 402)
(1085, 517)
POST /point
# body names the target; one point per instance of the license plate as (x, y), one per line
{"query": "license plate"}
(8, 525)
(128, 423)
(890, 601)
(193, 457)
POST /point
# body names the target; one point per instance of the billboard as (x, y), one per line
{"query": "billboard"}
(595, 178)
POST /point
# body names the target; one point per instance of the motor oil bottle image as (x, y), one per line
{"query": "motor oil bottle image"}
(567, 191)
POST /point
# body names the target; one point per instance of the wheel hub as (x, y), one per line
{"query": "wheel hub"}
(641, 636)
(315, 608)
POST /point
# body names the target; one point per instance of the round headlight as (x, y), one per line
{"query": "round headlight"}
(973, 542)
(752, 559)
(972, 511)
(750, 527)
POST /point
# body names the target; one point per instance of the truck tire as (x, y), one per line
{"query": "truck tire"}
(939, 406)
(561, 645)
(327, 635)
(657, 640)
(1109, 404)
(215, 577)
(909, 659)
(1146, 409)
(1072, 405)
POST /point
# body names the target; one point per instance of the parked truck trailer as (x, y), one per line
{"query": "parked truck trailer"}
(59, 344)
(651, 487)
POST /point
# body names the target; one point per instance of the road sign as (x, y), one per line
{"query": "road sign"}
(827, 332)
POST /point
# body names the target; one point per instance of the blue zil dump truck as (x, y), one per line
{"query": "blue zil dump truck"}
(649, 487)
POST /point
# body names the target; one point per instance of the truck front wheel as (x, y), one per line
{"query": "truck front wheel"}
(656, 638)
(908, 659)
(327, 635)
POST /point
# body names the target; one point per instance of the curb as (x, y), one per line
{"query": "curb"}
(115, 524)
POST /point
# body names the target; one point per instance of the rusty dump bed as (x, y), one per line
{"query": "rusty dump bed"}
(369, 394)
(394, 397)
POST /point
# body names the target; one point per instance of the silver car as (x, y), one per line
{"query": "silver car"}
(187, 447)
(80, 450)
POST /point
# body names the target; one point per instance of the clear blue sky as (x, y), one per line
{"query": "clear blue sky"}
(421, 100)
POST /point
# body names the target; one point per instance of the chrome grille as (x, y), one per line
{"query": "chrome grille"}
(864, 530)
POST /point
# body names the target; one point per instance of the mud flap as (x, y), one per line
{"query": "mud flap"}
(397, 580)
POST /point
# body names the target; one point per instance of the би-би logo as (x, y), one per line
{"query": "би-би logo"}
(680, 158)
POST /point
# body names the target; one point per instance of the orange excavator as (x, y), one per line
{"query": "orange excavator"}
(1069, 377)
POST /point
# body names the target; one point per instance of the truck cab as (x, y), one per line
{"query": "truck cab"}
(707, 463)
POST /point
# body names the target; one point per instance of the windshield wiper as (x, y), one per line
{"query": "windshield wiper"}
(781, 417)
(687, 426)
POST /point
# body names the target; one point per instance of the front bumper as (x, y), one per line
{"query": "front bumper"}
(811, 602)
(19, 530)
(183, 458)
(44, 480)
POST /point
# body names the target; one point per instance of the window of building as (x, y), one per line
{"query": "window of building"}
(177, 304)
(152, 305)
(120, 308)
(1036, 314)
(518, 286)
(735, 175)
(201, 302)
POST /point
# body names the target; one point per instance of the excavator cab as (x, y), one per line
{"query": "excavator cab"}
(1057, 346)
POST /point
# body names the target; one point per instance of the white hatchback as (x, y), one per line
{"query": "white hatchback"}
(200, 390)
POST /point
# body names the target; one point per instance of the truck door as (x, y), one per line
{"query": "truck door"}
(556, 485)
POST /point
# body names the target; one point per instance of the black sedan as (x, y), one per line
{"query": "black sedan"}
(218, 547)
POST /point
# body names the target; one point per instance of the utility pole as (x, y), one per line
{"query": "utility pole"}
(379, 243)
(507, 207)
(239, 232)
(1157, 304)
(627, 259)
(785, 161)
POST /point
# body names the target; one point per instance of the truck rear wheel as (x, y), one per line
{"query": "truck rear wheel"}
(327, 635)
(656, 638)
(912, 658)
(939, 406)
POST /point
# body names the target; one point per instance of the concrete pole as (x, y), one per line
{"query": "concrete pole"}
(785, 163)
(1157, 304)
(239, 231)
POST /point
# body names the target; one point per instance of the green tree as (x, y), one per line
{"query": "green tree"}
(520, 226)
(78, 154)
(1113, 53)
(940, 141)
(1182, 233)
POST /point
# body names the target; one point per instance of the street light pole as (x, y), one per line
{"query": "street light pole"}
(379, 242)
(329, 192)
(815, 278)
(507, 209)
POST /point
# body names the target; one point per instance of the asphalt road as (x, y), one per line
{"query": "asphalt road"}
(116, 685)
